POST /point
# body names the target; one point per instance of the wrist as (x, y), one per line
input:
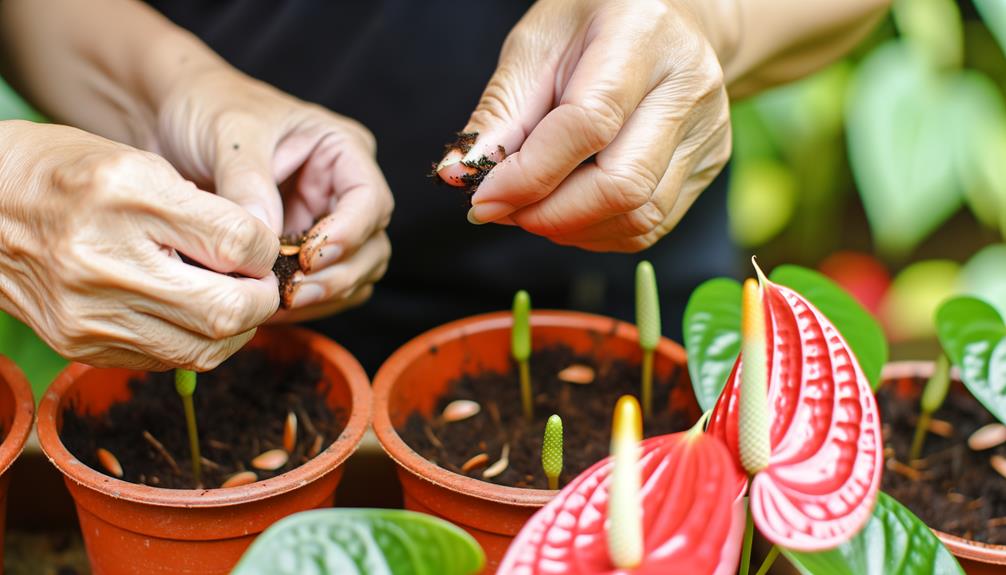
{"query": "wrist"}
(720, 21)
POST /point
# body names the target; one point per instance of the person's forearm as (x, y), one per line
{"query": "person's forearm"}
(102, 65)
(762, 43)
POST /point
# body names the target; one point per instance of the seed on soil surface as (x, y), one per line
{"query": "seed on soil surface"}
(999, 464)
(577, 373)
(475, 462)
(316, 446)
(956, 497)
(290, 432)
(996, 522)
(941, 428)
(459, 410)
(288, 250)
(109, 462)
(240, 478)
(899, 467)
(500, 466)
(987, 437)
(270, 460)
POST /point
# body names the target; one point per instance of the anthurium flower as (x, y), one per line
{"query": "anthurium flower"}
(692, 520)
(816, 484)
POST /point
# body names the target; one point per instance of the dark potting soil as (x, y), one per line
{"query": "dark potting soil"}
(241, 408)
(470, 182)
(585, 409)
(286, 266)
(955, 489)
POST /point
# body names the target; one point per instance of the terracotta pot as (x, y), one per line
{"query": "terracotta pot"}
(975, 557)
(418, 374)
(131, 528)
(17, 414)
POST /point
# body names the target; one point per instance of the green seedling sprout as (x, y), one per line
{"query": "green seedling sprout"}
(520, 347)
(648, 322)
(551, 451)
(185, 385)
(932, 398)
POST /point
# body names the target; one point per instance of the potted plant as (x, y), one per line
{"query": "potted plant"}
(795, 428)
(17, 414)
(362, 542)
(946, 441)
(275, 424)
(463, 408)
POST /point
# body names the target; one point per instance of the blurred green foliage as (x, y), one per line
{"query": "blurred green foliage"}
(916, 118)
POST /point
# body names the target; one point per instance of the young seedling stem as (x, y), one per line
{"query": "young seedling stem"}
(648, 323)
(185, 385)
(520, 347)
(932, 398)
(551, 451)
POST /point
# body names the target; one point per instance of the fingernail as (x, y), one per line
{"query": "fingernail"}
(450, 159)
(488, 212)
(324, 256)
(483, 148)
(307, 294)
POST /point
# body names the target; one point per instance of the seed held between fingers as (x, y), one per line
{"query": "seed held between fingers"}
(987, 437)
(109, 462)
(287, 250)
(240, 478)
(270, 460)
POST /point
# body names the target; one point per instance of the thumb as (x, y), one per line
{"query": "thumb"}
(245, 176)
(517, 97)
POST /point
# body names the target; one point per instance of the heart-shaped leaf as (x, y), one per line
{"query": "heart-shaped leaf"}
(859, 328)
(893, 542)
(362, 541)
(974, 337)
(692, 521)
(712, 331)
(826, 460)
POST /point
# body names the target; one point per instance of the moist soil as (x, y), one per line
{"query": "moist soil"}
(286, 266)
(951, 488)
(586, 411)
(241, 407)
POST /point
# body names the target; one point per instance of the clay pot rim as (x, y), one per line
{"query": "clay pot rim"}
(24, 413)
(325, 462)
(959, 546)
(391, 370)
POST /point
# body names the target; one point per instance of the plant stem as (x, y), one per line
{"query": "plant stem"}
(921, 427)
(646, 396)
(525, 390)
(553, 482)
(769, 560)
(190, 423)
(745, 566)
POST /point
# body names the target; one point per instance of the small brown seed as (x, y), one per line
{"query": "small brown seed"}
(500, 466)
(995, 522)
(287, 250)
(270, 460)
(290, 432)
(109, 462)
(987, 437)
(459, 410)
(900, 468)
(956, 497)
(999, 464)
(577, 373)
(475, 462)
(240, 478)
(941, 428)
(319, 441)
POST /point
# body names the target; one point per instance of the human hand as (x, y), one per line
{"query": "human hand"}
(91, 232)
(240, 137)
(613, 117)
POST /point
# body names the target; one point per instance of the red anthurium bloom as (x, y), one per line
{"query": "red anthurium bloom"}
(693, 522)
(823, 472)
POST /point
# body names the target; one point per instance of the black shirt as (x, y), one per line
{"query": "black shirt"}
(412, 72)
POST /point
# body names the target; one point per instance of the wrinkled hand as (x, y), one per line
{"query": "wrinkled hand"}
(614, 116)
(91, 234)
(289, 163)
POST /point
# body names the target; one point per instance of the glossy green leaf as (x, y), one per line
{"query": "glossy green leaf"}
(893, 542)
(993, 12)
(37, 360)
(984, 276)
(364, 542)
(973, 335)
(897, 139)
(712, 332)
(13, 107)
(859, 328)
